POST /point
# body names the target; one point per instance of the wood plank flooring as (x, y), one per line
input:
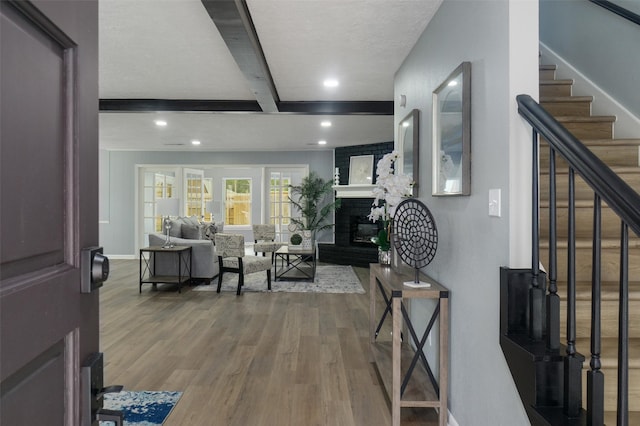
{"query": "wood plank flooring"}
(260, 359)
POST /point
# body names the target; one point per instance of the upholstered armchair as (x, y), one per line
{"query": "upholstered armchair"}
(264, 240)
(232, 258)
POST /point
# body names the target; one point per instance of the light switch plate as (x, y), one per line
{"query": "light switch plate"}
(494, 203)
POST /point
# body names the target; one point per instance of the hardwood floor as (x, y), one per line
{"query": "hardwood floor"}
(269, 359)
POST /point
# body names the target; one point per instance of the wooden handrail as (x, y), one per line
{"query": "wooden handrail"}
(618, 195)
(618, 10)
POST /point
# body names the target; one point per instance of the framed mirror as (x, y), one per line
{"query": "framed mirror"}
(408, 144)
(452, 134)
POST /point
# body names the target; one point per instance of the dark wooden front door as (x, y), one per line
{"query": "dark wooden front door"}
(48, 207)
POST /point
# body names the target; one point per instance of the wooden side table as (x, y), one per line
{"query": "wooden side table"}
(405, 373)
(148, 266)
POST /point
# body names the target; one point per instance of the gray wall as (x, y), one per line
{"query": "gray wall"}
(580, 31)
(499, 38)
(118, 169)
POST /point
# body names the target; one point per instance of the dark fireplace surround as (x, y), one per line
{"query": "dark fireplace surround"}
(353, 230)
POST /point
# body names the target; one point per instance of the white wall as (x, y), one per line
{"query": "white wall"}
(580, 31)
(118, 169)
(500, 39)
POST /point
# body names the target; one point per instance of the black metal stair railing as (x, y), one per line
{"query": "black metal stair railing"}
(608, 187)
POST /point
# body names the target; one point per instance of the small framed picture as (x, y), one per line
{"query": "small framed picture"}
(361, 170)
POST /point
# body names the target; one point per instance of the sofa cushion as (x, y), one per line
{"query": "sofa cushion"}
(191, 220)
(191, 232)
(176, 229)
(204, 258)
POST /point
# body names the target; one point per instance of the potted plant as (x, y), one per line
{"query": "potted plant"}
(391, 188)
(310, 199)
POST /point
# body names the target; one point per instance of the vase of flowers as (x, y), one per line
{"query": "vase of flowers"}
(390, 189)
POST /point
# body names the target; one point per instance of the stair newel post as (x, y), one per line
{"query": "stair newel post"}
(572, 364)
(536, 293)
(623, 330)
(553, 300)
(595, 378)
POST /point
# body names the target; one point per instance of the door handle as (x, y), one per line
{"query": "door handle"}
(93, 392)
(94, 269)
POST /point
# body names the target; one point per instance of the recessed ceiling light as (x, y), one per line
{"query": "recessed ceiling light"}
(160, 123)
(331, 82)
(322, 142)
(325, 123)
(195, 142)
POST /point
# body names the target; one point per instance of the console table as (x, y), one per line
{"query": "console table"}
(405, 373)
(148, 262)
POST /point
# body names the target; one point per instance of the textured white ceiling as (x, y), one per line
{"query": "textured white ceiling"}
(170, 49)
(362, 43)
(165, 49)
(240, 132)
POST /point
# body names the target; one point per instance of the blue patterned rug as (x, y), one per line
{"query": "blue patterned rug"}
(329, 279)
(141, 408)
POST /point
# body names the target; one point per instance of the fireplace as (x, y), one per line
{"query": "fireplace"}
(353, 230)
(361, 231)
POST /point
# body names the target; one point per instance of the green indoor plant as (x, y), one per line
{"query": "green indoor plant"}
(390, 189)
(310, 199)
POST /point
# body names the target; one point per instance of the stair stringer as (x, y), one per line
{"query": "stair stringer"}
(537, 372)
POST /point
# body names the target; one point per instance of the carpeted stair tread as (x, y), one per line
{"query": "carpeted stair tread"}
(544, 99)
(556, 82)
(617, 169)
(587, 119)
(609, 351)
(610, 417)
(585, 243)
(610, 290)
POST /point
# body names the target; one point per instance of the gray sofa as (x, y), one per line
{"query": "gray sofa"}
(204, 260)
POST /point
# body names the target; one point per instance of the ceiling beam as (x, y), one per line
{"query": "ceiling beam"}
(206, 105)
(177, 105)
(337, 107)
(233, 20)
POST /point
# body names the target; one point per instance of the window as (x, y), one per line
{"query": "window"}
(237, 206)
(194, 193)
(279, 208)
(208, 198)
(155, 185)
(279, 204)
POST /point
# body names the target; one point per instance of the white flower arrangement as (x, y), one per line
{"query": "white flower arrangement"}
(390, 187)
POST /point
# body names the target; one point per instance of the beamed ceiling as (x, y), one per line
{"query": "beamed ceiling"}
(248, 74)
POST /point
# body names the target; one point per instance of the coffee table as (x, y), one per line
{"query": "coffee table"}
(295, 264)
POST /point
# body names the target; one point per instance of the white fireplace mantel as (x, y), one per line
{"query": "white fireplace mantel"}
(354, 191)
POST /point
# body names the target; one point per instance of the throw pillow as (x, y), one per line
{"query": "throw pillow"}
(209, 231)
(193, 220)
(176, 229)
(191, 232)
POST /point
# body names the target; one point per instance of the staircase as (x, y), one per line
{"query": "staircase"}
(622, 155)
(543, 374)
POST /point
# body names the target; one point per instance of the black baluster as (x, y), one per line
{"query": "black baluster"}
(572, 363)
(623, 330)
(553, 300)
(536, 293)
(595, 378)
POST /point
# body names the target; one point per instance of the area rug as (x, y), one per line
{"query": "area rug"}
(329, 279)
(141, 408)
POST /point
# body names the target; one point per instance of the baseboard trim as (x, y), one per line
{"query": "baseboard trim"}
(626, 125)
(122, 256)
